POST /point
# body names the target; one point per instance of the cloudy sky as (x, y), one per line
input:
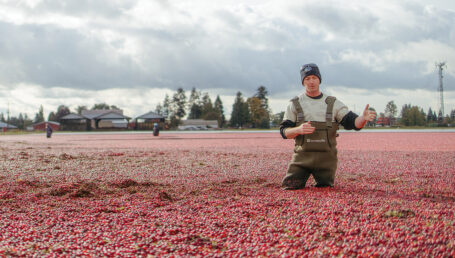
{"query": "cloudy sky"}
(130, 53)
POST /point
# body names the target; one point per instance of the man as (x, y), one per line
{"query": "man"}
(48, 131)
(312, 119)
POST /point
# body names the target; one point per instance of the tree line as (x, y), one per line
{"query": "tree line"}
(413, 116)
(254, 112)
(250, 112)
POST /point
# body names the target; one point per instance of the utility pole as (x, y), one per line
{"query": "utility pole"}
(7, 115)
(441, 88)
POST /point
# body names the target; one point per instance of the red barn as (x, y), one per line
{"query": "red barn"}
(41, 126)
(383, 121)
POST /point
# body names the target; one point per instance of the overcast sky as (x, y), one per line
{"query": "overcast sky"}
(130, 53)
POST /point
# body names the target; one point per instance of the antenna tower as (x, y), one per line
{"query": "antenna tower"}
(441, 88)
(7, 113)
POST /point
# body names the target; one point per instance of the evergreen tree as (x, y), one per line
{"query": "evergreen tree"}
(166, 106)
(159, 109)
(220, 110)
(39, 117)
(194, 105)
(195, 111)
(20, 122)
(52, 116)
(27, 121)
(2, 118)
(240, 112)
(62, 111)
(79, 109)
(262, 115)
(440, 117)
(261, 94)
(179, 101)
(177, 107)
(14, 121)
(194, 97)
(421, 119)
(208, 112)
(430, 115)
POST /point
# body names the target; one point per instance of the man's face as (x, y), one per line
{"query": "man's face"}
(311, 83)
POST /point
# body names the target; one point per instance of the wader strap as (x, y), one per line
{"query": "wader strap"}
(300, 119)
(328, 114)
(299, 109)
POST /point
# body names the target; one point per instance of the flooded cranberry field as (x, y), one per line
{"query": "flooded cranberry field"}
(219, 194)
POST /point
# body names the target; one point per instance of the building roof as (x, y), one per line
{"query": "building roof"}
(112, 115)
(97, 114)
(150, 115)
(5, 125)
(92, 114)
(46, 122)
(72, 116)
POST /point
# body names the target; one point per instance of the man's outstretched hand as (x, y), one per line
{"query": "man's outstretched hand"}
(369, 115)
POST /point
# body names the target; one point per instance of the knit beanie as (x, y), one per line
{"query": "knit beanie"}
(310, 69)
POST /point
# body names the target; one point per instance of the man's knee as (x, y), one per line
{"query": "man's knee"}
(296, 178)
(293, 183)
(324, 178)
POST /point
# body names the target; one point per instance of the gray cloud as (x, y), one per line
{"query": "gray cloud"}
(111, 9)
(53, 56)
(221, 48)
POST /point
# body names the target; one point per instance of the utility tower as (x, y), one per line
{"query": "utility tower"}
(441, 88)
(7, 113)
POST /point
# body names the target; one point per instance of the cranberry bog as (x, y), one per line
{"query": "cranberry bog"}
(218, 194)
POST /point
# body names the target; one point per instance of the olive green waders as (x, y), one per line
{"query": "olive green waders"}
(314, 154)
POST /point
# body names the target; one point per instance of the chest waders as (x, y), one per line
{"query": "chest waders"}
(314, 154)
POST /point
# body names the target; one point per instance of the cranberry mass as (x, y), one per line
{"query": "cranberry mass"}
(219, 194)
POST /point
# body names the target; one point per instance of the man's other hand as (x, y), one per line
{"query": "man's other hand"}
(306, 128)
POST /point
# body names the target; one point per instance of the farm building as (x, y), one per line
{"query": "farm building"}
(41, 126)
(4, 126)
(198, 124)
(385, 121)
(74, 122)
(146, 121)
(110, 120)
(95, 119)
